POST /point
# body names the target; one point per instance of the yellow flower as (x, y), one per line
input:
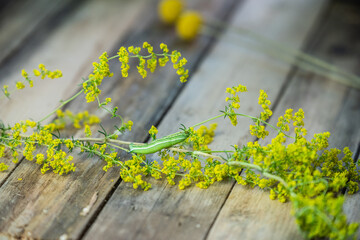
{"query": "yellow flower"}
(3, 167)
(107, 100)
(37, 72)
(24, 73)
(87, 131)
(153, 131)
(6, 91)
(188, 25)
(20, 85)
(128, 125)
(169, 10)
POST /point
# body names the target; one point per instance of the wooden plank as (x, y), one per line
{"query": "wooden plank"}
(24, 215)
(340, 46)
(81, 40)
(21, 20)
(81, 36)
(165, 211)
(328, 106)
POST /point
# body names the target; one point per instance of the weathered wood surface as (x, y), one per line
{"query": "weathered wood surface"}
(21, 21)
(191, 215)
(328, 106)
(48, 206)
(135, 99)
(77, 42)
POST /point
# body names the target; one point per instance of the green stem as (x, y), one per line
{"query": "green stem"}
(208, 120)
(62, 104)
(116, 146)
(264, 173)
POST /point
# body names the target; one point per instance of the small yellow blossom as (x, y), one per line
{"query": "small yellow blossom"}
(6, 90)
(20, 85)
(36, 72)
(129, 125)
(87, 130)
(24, 73)
(153, 131)
(3, 167)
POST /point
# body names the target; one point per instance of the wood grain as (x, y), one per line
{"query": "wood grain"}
(135, 97)
(64, 49)
(328, 106)
(92, 204)
(24, 20)
(166, 211)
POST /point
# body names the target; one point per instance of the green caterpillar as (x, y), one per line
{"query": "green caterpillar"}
(159, 144)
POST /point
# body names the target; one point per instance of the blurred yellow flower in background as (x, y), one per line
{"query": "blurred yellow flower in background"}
(189, 25)
(169, 10)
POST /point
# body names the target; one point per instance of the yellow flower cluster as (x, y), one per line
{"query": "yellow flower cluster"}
(200, 138)
(101, 70)
(297, 162)
(3, 167)
(129, 125)
(258, 129)
(43, 72)
(87, 131)
(77, 120)
(283, 121)
(165, 59)
(153, 131)
(179, 65)
(2, 150)
(323, 217)
(188, 23)
(264, 102)
(234, 102)
(56, 159)
(133, 170)
(153, 59)
(124, 59)
(199, 141)
(20, 85)
(110, 158)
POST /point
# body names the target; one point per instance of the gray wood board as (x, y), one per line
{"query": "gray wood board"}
(54, 207)
(165, 211)
(328, 106)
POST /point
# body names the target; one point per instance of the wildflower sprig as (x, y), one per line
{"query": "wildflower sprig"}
(42, 72)
(154, 59)
(291, 167)
(91, 84)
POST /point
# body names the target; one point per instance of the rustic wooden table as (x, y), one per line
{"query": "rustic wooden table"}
(70, 35)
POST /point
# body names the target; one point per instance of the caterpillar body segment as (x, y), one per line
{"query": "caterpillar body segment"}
(159, 144)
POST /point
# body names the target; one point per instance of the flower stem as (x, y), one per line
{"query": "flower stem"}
(208, 120)
(62, 104)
